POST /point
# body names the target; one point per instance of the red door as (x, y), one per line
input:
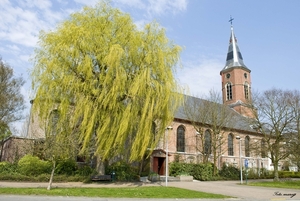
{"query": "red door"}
(159, 165)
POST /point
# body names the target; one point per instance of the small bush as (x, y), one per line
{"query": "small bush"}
(42, 178)
(123, 171)
(153, 176)
(8, 168)
(15, 177)
(288, 174)
(178, 168)
(31, 166)
(67, 167)
(266, 174)
(84, 171)
(229, 172)
(203, 171)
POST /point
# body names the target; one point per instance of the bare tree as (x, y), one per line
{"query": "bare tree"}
(293, 139)
(273, 116)
(4, 134)
(11, 99)
(61, 142)
(211, 120)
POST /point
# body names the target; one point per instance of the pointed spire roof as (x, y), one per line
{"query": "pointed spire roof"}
(234, 56)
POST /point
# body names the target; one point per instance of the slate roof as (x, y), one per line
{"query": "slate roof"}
(238, 121)
(234, 55)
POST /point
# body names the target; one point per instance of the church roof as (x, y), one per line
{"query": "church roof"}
(237, 121)
(234, 56)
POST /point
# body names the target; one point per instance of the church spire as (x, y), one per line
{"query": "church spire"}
(236, 79)
(234, 56)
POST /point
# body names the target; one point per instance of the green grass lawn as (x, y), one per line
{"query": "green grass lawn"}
(133, 192)
(280, 184)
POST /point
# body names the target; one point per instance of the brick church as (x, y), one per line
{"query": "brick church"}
(183, 140)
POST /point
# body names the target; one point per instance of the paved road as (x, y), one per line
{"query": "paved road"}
(243, 192)
(230, 188)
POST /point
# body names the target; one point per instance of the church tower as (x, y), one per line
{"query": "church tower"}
(236, 79)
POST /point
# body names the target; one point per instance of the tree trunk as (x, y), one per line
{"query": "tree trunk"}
(52, 175)
(215, 164)
(276, 177)
(2, 146)
(100, 167)
(141, 166)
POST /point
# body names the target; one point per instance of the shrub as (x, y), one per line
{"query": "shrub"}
(288, 174)
(153, 176)
(8, 168)
(229, 172)
(42, 178)
(202, 171)
(31, 166)
(177, 168)
(251, 173)
(67, 167)
(84, 171)
(266, 174)
(123, 171)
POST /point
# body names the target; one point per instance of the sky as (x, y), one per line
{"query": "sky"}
(268, 34)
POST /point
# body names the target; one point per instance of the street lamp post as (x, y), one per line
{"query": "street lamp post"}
(241, 164)
(167, 153)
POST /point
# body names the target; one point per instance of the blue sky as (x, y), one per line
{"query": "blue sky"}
(268, 34)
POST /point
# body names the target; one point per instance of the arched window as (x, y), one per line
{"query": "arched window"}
(246, 90)
(180, 139)
(263, 148)
(247, 146)
(228, 91)
(230, 145)
(207, 142)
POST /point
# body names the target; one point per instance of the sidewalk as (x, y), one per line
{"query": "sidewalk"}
(235, 189)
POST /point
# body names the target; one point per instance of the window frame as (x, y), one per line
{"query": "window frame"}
(230, 145)
(207, 142)
(228, 88)
(247, 146)
(180, 139)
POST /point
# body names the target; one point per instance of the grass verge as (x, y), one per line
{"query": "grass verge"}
(136, 192)
(280, 184)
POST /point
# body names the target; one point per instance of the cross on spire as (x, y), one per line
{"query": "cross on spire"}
(230, 20)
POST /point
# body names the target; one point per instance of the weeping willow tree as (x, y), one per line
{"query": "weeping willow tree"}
(108, 79)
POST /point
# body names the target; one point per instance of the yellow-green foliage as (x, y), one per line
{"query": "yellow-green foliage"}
(31, 165)
(111, 80)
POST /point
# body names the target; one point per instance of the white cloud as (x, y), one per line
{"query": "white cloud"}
(25, 19)
(201, 76)
(155, 7)
(13, 47)
(88, 3)
(163, 6)
(24, 57)
(40, 4)
(132, 3)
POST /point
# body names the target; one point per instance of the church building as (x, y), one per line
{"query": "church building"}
(237, 143)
